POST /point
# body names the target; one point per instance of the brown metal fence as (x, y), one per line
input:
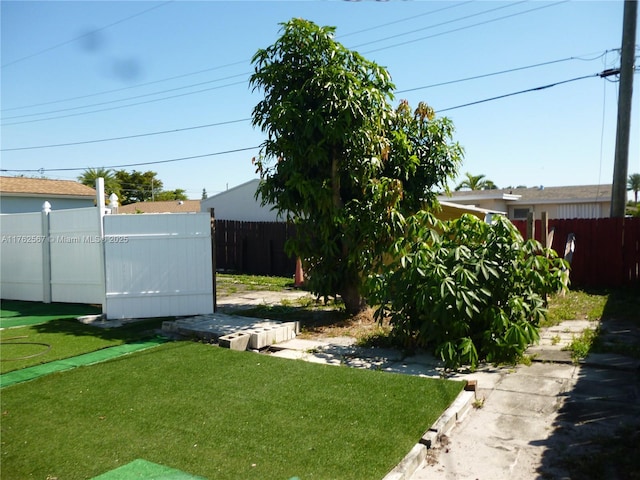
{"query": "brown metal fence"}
(255, 248)
(607, 250)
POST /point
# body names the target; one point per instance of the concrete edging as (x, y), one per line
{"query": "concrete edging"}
(452, 415)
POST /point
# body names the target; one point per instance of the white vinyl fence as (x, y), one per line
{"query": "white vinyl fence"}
(135, 266)
(22, 265)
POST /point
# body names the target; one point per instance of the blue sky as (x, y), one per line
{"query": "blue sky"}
(84, 71)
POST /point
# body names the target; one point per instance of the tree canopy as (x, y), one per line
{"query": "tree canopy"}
(131, 187)
(338, 160)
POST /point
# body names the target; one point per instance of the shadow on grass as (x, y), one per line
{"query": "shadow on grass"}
(18, 313)
(126, 333)
(597, 430)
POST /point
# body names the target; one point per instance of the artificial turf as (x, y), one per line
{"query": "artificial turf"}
(15, 313)
(219, 414)
(24, 347)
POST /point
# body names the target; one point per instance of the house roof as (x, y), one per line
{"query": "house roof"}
(453, 210)
(42, 187)
(170, 206)
(567, 194)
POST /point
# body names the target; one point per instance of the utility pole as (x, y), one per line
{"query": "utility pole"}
(621, 162)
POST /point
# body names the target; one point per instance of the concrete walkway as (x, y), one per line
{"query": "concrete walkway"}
(535, 417)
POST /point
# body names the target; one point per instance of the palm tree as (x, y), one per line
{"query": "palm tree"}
(634, 184)
(111, 183)
(476, 182)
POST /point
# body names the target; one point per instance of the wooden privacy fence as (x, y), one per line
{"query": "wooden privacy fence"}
(607, 250)
(255, 248)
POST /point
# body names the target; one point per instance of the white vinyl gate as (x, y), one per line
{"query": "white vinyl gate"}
(76, 257)
(135, 266)
(158, 264)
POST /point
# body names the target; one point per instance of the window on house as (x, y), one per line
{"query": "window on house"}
(520, 213)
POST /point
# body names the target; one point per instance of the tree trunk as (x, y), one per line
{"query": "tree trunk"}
(350, 291)
(335, 181)
(353, 301)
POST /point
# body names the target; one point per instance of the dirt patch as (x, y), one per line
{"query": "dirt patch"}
(362, 326)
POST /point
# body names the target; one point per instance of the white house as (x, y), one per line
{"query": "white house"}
(582, 201)
(23, 195)
(239, 203)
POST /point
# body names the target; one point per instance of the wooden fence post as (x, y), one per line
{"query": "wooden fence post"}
(531, 226)
(544, 229)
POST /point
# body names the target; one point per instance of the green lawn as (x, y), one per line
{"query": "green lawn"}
(217, 413)
(57, 339)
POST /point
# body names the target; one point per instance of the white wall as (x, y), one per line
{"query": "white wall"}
(239, 203)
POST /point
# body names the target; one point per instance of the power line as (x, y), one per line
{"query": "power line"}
(476, 77)
(92, 32)
(244, 61)
(126, 137)
(217, 67)
(535, 89)
(466, 27)
(248, 119)
(156, 162)
(128, 98)
(429, 27)
(125, 88)
(122, 106)
(376, 27)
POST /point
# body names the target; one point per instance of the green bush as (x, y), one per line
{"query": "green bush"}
(469, 290)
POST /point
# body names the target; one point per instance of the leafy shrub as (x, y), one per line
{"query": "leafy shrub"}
(470, 290)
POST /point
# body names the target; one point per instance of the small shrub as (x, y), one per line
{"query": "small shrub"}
(469, 290)
(581, 345)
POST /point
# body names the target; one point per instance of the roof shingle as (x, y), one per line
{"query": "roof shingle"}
(43, 186)
(170, 206)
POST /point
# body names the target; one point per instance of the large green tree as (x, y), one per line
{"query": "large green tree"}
(138, 186)
(338, 161)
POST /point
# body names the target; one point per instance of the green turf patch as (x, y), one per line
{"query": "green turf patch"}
(25, 347)
(143, 470)
(31, 373)
(219, 414)
(15, 313)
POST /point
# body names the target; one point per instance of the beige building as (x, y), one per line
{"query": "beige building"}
(585, 201)
(168, 206)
